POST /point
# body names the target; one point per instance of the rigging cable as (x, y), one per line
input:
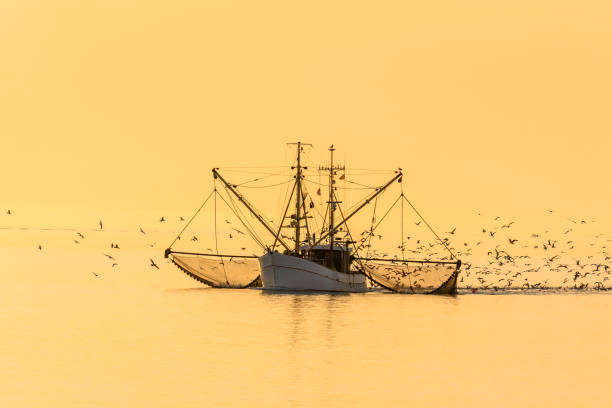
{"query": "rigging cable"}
(364, 187)
(402, 226)
(192, 217)
(353, 242)
(280, 204)
(384, 216)
(280, 228)
(314, 219)
(431, 229)
(235, 209)
(216, 238)
(269, 185)
(371, 232)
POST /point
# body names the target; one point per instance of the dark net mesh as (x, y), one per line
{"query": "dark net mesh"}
(230, 272)
(414, 277)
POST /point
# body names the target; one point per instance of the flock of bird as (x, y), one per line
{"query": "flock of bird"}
(540, 260)
(79, 237)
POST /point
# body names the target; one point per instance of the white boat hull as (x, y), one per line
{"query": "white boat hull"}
(285, 272)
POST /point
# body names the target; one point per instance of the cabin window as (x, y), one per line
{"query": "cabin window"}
(340, 259)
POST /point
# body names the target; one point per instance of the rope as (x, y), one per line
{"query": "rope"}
(269, 185)
(192, 217)
(251, 167)
(359, 184)
(258, 179)
(216, 238)
(347, 188)
(402, 227)
(280, 227)
(314, 219)
(428, 226)
(361, 262)
(240, 217)
(372, 226)
(384, 216)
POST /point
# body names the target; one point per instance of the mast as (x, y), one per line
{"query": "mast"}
(332, 204)
(299, 195)
(298, 198)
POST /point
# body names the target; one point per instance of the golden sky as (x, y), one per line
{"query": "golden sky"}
(120, 108)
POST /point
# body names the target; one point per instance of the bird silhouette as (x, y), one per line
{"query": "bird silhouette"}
(96, 274)
(40, 247)
(9, 212)
(100, 224)
(162, 219)
(141, 230)
(153, 264)
(108, 256)
(81, 235)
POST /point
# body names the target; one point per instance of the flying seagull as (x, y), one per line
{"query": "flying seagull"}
(153, 264)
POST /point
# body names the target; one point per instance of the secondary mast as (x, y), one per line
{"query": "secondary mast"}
(331, 203)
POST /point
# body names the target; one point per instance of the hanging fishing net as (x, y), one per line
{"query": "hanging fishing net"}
(220, 272)
(414, 277)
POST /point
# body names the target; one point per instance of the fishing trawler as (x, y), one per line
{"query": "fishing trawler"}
(315, 259)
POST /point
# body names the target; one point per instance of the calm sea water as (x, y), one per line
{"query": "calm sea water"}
(142, 337)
